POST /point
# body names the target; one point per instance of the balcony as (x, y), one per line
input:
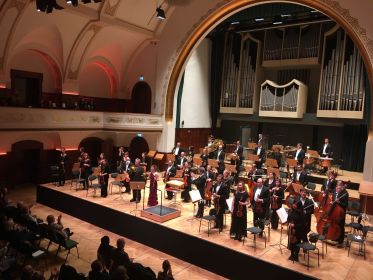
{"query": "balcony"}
(15, 118)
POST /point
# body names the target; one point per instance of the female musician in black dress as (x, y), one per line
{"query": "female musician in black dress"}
(104, 176)
(187, 182)
(239, 212)
(270, 182)
(277, 195)
(62, 166)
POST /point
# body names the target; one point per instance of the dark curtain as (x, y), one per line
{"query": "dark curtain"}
(178, 105)
(217, 54)
(353, 151)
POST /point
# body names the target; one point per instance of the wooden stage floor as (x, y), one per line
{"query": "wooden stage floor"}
(335, 265)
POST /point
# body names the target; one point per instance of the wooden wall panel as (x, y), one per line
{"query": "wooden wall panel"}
(196, 137)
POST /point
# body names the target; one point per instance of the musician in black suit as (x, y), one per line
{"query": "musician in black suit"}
(330, 183)
(104, 176)
(177, 150)
(239, 150)
(255, 173)
(181, 160)
(220, 194)
(308, 209)
(62, 166)
(296, 228)
(326, 150)
(205, 158)
(137, 175)
(340, 196)
(170, 172)
(126, 166)
(299, 154)
(220, 156)
(200, 183)
(260, 203)
(85, 169)
(261, 153)
(300, 176)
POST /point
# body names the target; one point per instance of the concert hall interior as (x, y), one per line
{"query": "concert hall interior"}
(224, 138)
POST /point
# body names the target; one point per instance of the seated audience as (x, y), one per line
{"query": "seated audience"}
(104, 252)
(58, 227)
(120, 273)
(119, 256)
(97, 272)
(166, 274)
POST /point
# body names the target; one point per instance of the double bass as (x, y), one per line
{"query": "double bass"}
(329, 216)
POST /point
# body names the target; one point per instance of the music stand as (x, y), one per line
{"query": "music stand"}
(151, 155)
(252, 145)
(270, 162)
(213, 163)
(275, 171)
(283, 217)
(158, 157)
(196, 197)
(253, 157)
(170, 157)
(197, 161)
(137, 185)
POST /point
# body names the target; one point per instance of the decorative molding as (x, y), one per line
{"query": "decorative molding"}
(111, 9)
(55, 119)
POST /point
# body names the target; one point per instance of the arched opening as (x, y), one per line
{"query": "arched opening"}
(216, 17)
(93, 146)
(137, 146)
(141, 98)
(25, 162)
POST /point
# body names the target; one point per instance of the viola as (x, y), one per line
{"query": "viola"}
(208, 190)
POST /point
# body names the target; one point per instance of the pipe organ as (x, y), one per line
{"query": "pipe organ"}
(321, 62)
(239, 74)
(284, 101)
(342, 88)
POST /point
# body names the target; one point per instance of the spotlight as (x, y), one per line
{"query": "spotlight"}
(160, 13)
(277, 20)
(235, 22)
(259, 19)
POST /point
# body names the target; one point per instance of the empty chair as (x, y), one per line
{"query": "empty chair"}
(210, 218)
(310, 246)
(256, 231)
(92, 185)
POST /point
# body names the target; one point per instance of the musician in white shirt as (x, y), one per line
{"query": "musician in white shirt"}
(299, 154)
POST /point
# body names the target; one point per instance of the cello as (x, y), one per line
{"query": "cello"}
(329, 217)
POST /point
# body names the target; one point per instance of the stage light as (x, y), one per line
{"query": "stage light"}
(259, 19)
(160, 13)
(72, 2)
(277, 20)
(235, 22)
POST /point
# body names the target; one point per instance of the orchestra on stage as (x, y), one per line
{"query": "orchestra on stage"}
(239, 182)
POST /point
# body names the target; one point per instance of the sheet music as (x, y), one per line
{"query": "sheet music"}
(229, 203)
(282, 214)
(195, 196)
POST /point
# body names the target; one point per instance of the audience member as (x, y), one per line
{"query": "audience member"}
(97, 272)
(58, 227)
(166, 274)
(119, 256)
(120, 273)
(104, 252)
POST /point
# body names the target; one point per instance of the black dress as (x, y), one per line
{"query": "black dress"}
(239, 224)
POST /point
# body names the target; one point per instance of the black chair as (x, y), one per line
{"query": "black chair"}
(210, 218)
(359, 239)
(68, 244)
(256, 231)
(92, 185)
(353, 209)
(54, 174)
(310, 246)
(77, 179)
(284, 176)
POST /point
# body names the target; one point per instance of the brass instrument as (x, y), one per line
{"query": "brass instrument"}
(215, 145)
